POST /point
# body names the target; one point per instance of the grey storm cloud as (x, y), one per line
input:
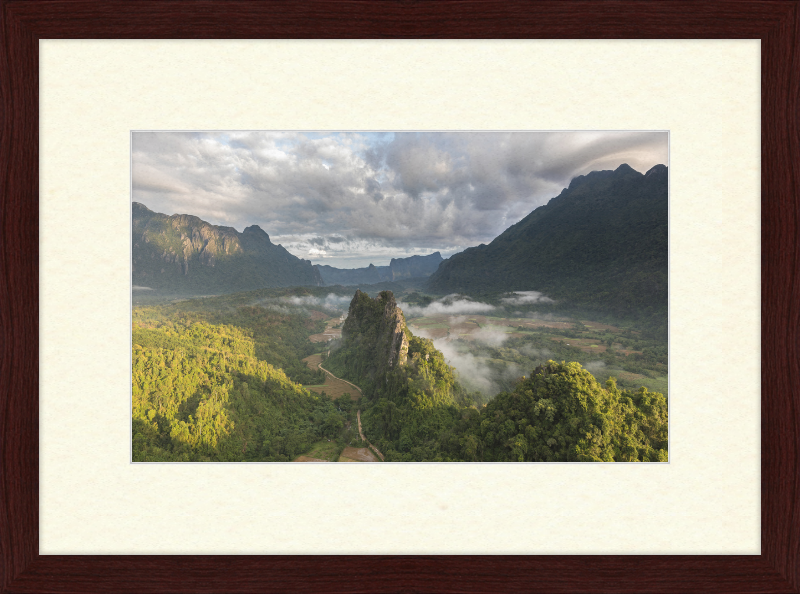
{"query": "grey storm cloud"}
(372, 196)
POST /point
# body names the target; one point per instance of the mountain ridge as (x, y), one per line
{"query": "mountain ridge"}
(601, 243)
(184, 253)
(398, 269)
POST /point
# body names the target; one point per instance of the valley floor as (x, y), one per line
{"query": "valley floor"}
(336, 387)
(490, 353)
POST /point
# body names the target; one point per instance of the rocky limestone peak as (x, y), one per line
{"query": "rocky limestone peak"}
(625, 169)
(394, 325)
(380, 322)
(139, 208)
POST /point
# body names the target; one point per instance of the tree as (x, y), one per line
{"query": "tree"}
(333, 425)
(345, 403)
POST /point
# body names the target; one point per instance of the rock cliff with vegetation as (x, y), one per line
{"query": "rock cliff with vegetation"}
(411, 392)
(375, 336)
(184, 254)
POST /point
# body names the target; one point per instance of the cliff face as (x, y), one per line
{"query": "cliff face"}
(183, 253)
(377, 325)
(391, 365)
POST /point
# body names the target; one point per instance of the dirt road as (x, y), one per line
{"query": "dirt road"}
(358, 414)
(361, 433)
(333, 386)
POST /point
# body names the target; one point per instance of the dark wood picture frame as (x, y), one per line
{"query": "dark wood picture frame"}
(24, 22)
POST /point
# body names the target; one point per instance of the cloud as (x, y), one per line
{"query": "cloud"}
(332, 302)
(594, 366)
(361, 195)
(526, 298)
(450, 305)
(472, 371)
(491, 336)
(534, 353)
(288, 305)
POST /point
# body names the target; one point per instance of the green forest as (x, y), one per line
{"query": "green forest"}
(224, 379)
(217, 383)
(559, 414)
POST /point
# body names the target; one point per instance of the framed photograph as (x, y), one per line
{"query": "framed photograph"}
(78, 515)
(473, 296)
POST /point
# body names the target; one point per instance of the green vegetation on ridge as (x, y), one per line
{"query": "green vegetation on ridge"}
(561, 414)
(200, 394)
(601, 245)
(416, 410)
(182, 253)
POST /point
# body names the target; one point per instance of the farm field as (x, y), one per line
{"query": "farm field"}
(332, 387)
(330, 332)
(322, 451)
(357, 455)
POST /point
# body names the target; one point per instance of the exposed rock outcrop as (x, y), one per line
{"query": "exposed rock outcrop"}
(205, 258)
(381, 355)
(380, 324)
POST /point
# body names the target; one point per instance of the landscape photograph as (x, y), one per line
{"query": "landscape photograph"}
(360, 296)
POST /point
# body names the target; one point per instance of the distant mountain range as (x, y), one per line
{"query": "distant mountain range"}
(398, 269)
(185, 254)
(601, 243)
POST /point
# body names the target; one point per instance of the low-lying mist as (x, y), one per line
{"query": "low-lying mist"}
(490, 336)
(332, 303)
(450, 305)
(473, 372)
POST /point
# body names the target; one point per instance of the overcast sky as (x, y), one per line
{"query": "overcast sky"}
(353, 198)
